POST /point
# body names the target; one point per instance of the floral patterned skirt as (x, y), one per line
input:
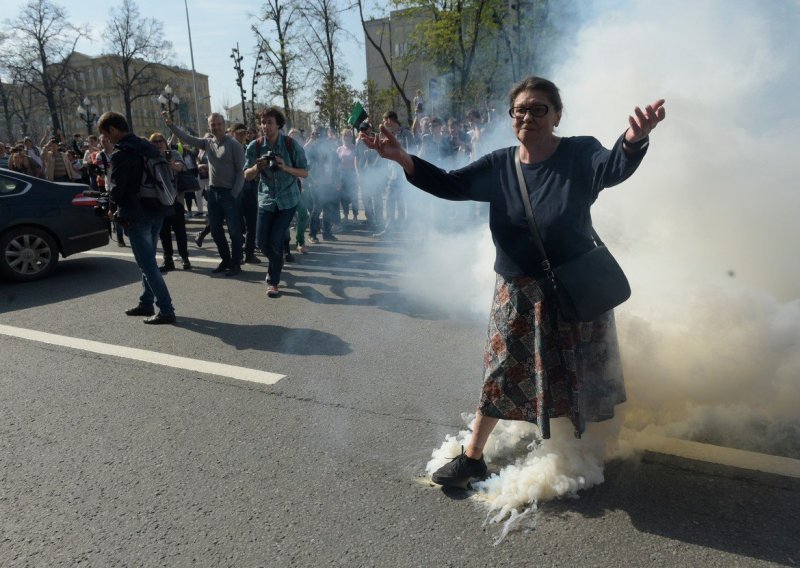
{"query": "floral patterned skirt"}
(538, 366)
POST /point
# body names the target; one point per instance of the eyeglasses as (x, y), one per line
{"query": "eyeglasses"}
(537, 111)
(157, 140)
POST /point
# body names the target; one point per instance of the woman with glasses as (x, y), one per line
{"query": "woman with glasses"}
(537, 365)
(177, 221)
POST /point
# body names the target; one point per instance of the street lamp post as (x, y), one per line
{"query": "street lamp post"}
(237, 65)
(256, 74)
(88, 115)
(168, 101)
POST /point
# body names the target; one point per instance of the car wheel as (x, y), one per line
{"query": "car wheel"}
(27, 254)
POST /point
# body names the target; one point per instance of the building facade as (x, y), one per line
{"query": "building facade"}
(92, 78)
(393, 36)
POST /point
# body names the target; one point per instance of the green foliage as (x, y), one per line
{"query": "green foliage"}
(481, 47)
(334, 102)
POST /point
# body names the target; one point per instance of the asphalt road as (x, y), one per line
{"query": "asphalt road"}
(106, 461)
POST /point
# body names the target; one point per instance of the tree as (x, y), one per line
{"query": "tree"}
(393, 75)
(5, 102)
(138, 47)
(41, 43)
(323, 26)
(280, 55)
(451, 34)
(335, 102)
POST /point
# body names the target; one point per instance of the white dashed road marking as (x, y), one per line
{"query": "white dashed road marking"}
(154, 357)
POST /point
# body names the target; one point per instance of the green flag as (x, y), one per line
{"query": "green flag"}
(358, 115)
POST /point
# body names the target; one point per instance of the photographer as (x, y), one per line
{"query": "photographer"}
(19, 161)
(277, 161)
(141, 218)
(57, 166)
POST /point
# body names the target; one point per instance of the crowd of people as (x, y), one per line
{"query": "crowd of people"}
(323, 182)
(81, 159)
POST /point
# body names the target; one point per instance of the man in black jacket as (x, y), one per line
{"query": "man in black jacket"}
(142, 220)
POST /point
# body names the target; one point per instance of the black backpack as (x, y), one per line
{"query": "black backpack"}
(157, 185)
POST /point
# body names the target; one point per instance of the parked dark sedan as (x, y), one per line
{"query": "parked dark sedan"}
(40, 220)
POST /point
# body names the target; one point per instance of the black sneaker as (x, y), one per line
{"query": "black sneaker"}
(186, 264)
(221, 267)
(329, 238)
(168, 266)
(140, 310)
(198, 240)
(460, 471)
(161, 319)
(289, 257)
(234, 270)
(252, 259)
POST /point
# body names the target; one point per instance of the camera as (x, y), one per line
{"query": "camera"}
(272, 161)
(103, 204)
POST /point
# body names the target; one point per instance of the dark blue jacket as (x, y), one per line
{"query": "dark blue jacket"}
(561, 191)
(125, 179)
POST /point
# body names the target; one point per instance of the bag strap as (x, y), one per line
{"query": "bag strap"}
(526, 203)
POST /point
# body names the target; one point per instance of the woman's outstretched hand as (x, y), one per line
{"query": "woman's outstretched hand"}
(642, 122)
(387, 146)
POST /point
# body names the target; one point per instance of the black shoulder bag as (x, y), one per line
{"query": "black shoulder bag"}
(585, 287)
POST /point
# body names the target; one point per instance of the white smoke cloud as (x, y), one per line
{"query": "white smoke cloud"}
(705, 229)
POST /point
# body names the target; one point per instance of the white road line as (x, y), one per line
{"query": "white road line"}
(154, 357)
(209, 259)
(288, 266)
(721, 455)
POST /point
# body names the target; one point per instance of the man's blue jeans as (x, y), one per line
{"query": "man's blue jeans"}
(223, 208)
(143, 238)
(270, 233)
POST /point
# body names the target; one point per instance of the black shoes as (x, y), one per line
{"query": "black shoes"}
(160, 319)
(186, 264)
(460, 471)
(140, 311)
(234, 270)
(168, 265)
(289, 257)
(314, 240)
(329, 238)
(221, 267)
(198, 240)
(252, 259)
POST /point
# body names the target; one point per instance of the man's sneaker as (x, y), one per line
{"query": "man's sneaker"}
(234, 270)
(221, 267)
(161, 319)
(460, 471)
(314, 240)
(186, 264)
(198, 240)
(140, 310)
(168, 266)
(329, 238)
(289, 257)
(252, 259)
(273, 292)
